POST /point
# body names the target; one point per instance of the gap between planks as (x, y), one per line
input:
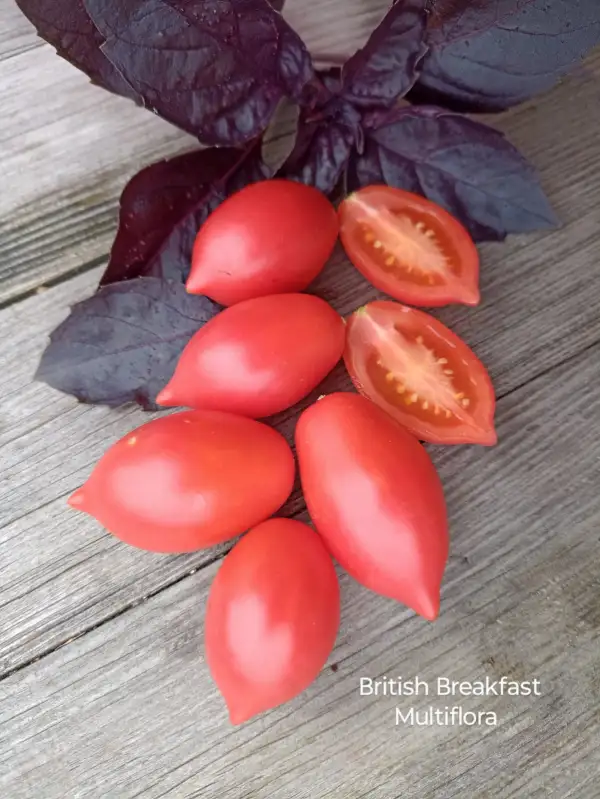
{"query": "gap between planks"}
(65, 166)
(134, 713)
(49, 594)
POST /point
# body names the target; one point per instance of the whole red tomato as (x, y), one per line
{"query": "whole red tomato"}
(271, 237)
(272, 617)
(189, 480)
(258, 357)
(375, 497)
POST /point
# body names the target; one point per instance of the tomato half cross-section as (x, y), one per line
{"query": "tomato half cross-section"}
(258, 357)
(421, 373)
(409, 247)
(272, 617)
(272, 237)
(375, 497)
(186, 481)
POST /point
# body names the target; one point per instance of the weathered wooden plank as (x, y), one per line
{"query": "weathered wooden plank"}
(65, 165)
(128, 710)
(16, 33)
(68, 148)
(540, 307)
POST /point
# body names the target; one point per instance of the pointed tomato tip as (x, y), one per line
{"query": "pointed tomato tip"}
(165, 397)
(487, 437)
(77, 499)
(471, 298)
(429, 606)
(194, 285)
(492, 438)
(238, 716)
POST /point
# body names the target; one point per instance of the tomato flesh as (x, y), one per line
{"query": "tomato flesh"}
(409, 247)
(375, 497)
(421, 373)
(272, 237)
(272, 617)
(189, 480)
(258, 357)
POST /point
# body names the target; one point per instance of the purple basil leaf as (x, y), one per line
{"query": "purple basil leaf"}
(387, 66)
(277, 4)
(164, 205)
(490, 56)
(323, 146)
(65, 24)
(464, 166)
(121, 345)
(216, 68)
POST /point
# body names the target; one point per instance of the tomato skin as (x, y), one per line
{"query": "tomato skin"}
(372, 329)
(272, 237)
(189, 480)
(272, 617)
(258, 357)
(365, 209)
(375, 497)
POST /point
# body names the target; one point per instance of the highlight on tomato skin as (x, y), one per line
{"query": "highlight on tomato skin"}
(258, 357)
(409, 247)
(189, 480)
(374, 495)
(421, 373)
(272, 617)
(271, 237)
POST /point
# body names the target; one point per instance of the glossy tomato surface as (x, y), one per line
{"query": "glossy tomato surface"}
(375, 497)
(258, 357)
(189, 480)
(421, 373)
(272, 237)
(272, 617)
(409, 247)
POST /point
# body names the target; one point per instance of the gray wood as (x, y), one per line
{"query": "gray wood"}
(536, 313)
(68, 148)
(129, 709)
(16, 33)
(103, 688)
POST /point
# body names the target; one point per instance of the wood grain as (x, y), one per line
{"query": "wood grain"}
(69, 148)
(538, 311)
(129, 710)
(105, 692)
(17, 35)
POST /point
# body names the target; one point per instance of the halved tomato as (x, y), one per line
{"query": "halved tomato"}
(421, 373)
(409, 247)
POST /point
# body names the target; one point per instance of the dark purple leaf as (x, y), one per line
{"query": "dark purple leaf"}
(323, 146)
(121, 345)
(277, 4)
(493, 55)
(387, 66)
(216, 68)
(164, 205)
(65, 24)
(468, 168)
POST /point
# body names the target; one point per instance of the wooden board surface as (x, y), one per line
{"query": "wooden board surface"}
(98, 641)
(69, 148)
(131, 711)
